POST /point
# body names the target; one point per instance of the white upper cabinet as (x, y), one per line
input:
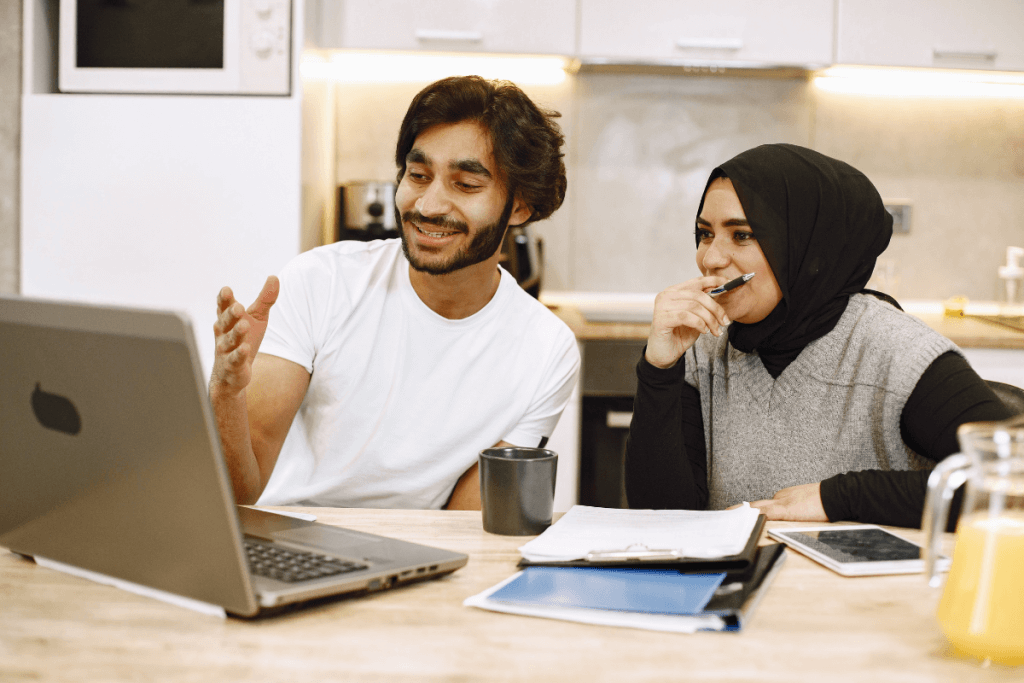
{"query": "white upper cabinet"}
(740, 32)
(983, 34)
(504, 26)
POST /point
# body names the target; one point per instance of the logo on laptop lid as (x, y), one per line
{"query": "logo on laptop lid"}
(55, 412)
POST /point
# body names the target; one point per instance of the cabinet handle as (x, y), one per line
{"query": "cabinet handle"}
(986, 55)
(709, 43)
(452, 36)
(619, 419)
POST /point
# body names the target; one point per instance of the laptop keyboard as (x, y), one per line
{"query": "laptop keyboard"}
(284, 564)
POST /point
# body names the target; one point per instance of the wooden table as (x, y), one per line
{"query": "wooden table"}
(812, 625)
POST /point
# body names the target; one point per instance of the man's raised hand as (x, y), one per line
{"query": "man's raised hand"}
(239, 333)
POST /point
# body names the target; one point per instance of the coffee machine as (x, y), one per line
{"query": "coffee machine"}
(366, 210)
(522, 255)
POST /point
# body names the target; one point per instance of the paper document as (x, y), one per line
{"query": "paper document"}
(687, 533)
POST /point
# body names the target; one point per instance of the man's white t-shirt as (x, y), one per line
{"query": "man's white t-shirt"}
(401, 400)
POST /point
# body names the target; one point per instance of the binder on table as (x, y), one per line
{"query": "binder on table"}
(652, 591)
(659, 599)
(741, 591)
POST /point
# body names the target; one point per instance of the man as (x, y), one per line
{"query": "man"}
(389, 365)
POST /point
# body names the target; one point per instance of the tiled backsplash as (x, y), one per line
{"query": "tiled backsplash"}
(961, 163)
(644, 148)
(640, 147)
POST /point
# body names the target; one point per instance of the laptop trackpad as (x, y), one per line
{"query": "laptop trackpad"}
(329, 539)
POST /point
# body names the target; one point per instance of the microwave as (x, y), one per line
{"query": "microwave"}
(229, 47)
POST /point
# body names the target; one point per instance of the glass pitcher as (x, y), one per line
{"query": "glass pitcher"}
(982, 606)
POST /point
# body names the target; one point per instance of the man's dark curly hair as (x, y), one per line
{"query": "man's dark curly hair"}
(526, 141)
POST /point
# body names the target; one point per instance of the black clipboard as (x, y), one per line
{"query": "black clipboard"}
(663, 558)
(740, 592)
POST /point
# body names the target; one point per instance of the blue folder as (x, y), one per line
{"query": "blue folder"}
(652, 591)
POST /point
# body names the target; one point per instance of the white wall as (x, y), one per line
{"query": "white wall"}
(157, 201)
(154, 201)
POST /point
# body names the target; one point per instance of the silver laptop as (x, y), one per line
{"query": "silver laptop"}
(110, 463)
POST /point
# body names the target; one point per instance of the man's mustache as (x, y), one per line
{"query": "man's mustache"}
(440, 221)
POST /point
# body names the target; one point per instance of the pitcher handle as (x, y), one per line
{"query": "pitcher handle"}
(947, 476)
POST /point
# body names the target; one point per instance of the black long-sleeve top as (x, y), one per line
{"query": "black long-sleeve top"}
(666, 455)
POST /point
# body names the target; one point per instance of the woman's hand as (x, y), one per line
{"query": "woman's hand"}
(681, 314)
(794, 504)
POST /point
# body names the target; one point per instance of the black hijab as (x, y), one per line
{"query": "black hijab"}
(821, 225)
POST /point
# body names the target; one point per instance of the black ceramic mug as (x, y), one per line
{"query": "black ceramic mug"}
(517, 490)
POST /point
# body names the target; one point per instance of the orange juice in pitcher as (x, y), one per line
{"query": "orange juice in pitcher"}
(982, 607)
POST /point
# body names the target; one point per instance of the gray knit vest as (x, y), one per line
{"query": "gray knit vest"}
(836, 408)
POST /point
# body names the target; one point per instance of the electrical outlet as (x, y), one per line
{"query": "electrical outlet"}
(899, 209)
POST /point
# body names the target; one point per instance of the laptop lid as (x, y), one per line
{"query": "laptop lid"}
(108, 455)
(110, 462)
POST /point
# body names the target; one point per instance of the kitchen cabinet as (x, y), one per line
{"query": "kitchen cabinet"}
(931, 33)
(742, 33)
(999, 365)
(607, 387)
(502, 26)
(565, 440)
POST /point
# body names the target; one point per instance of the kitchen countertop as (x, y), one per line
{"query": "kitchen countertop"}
(597, 316)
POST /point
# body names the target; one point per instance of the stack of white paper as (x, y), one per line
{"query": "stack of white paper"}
(683, 533)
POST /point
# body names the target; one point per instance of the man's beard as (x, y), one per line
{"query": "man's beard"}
(481, 247)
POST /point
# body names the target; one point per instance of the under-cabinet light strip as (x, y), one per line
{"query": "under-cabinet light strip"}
(370, 67)
(892, 82)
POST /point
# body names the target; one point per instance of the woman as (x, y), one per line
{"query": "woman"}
(799, 391)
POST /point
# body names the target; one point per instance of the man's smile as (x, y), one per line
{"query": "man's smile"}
(439, 228)
(429, 232)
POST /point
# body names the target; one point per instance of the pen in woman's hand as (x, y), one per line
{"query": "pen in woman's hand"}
(731, 284)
